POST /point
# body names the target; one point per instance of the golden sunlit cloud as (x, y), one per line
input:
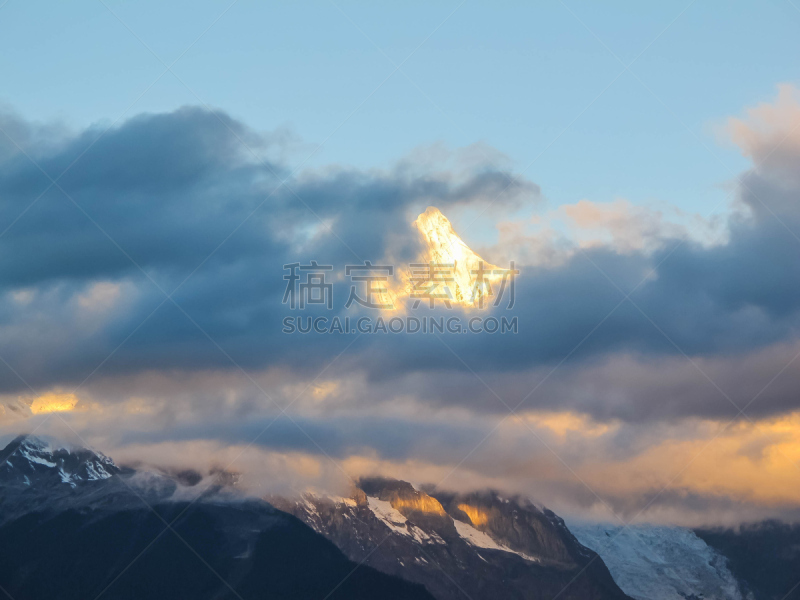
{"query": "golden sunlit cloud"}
(323, 389)
(53, 402)
(562, 423)
(757, 463)
(755, 466)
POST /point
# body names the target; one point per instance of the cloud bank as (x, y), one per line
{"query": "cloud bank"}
(147, 282)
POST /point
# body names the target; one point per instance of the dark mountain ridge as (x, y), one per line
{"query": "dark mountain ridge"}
(74, 525)
(764, 557)
(480, 546)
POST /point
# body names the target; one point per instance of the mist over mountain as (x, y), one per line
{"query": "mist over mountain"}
(130, 531)
(75, 524)
(63, 535)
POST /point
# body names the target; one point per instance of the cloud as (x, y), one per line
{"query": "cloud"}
(185, 209)
(257, 471)
(170, 188)
(770, 135)
(101, 297)
(553, 238)
(693, 472)
(53, 402)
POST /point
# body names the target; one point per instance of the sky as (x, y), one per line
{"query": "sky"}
(638, 163)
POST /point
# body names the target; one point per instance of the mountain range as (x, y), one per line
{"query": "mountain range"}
(74, 524)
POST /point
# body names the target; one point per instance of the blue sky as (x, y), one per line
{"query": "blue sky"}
(514, 76)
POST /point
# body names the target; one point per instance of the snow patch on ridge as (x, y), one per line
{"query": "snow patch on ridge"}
(96, 471)
(395, 521)
(36, 459)
(484, 540)
(66, 478)
(388, 514)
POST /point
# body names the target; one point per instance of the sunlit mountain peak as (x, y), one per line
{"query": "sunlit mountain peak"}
(466, 278)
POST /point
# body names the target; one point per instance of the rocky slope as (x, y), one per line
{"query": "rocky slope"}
(74, 525)
(478, 546)
(764, 557)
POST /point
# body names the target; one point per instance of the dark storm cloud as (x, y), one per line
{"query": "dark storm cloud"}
(166, 188)
(391, 438)
(169, 188)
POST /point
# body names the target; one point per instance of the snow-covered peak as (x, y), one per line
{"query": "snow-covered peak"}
(494, 546)
(32, 461)
(31, 442)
